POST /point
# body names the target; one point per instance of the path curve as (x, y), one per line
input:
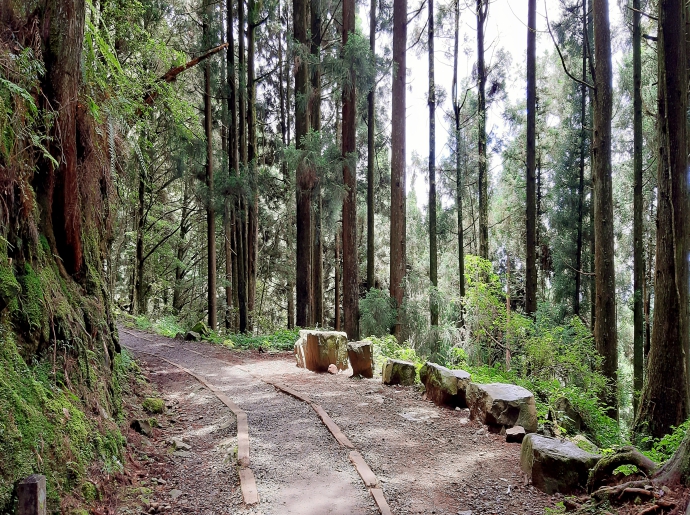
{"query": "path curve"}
(300, 467)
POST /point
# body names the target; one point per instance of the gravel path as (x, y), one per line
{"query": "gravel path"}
(428, 459)
(299, 467)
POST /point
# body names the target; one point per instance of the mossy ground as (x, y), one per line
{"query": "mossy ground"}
(46, 428)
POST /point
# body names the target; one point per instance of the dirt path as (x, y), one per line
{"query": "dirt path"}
(427, 459)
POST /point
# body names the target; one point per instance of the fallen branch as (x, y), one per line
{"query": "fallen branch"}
(172, 73)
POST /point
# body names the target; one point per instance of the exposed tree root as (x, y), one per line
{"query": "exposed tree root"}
(625, 456)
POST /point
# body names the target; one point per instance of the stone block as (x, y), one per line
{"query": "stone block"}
(501, 406)
(396, 371)
(315, 350)
(361, 357)
(31, 495)
(515, 434)
(445, 387)
(555, 465)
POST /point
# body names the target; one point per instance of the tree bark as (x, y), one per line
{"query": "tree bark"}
(350, 262)
(581, 181)
(233, 166)
(317, 248)
(458, 160)
(664, 401)
(531, 195)
(482, 12)
(371, 153)
(252, 154)
(137, 306)
(210, 211)
(605, 329)
(433, 251)
(180, 270)
(305, 174)
(337, 282)
(398, 217)
(638, 208)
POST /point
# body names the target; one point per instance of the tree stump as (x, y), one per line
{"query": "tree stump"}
(361, 358)
(315, 350)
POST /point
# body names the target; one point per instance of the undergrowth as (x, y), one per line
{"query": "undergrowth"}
(44, 426)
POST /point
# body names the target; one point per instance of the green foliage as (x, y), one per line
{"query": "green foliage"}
(44, 429)
(168, 326)
(377, 313)
(388, 347)
(283, 340)
(663, 448)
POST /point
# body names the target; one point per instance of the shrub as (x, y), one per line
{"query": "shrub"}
(377, 313)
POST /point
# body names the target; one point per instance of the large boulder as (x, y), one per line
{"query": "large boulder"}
(555, 465)
(444, 386)
(361, 358)
(501, 406)
(396, 371)
(315, 350)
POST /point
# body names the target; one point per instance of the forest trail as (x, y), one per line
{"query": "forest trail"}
(426, 459)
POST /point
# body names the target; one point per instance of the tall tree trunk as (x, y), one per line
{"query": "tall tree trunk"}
(138, 307)
(371, 152)
(458, 159)
(210, 211)
(337, 282)
(180, 270)
(581, 180)
(305, 173)
(433, 252)
(398, 217)
(664, 401)
(252, 154)
(531, 195)
(241, 206)
(638, 208)
(350, 262)
(59, 195)
(233, 167)
(605, 329)
(482, 11)
(317, 248)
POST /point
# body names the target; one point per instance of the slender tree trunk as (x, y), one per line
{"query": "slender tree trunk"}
(581, 181)
(241, 204)
(180, 270)
(605, 329)
(233, 167)
(531, 211)
(371, 153)
(458, 158)
(398, 217)
(317, 248)
(305, 174)
(433, 252)
(138, 300)
(337, 282)
(350, 262)
(482, 11)
(638, 209)
(252, 155)
(664, 400)
(210, 211)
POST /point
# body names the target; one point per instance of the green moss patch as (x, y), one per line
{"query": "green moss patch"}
(44, 429)
(153, 405)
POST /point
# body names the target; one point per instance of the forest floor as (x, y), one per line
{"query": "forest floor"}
(427, 459)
